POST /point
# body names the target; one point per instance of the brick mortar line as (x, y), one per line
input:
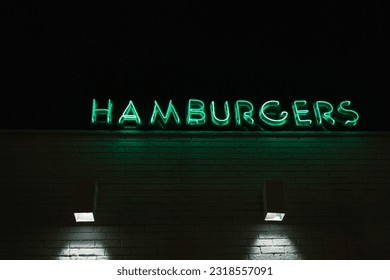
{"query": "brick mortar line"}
(170, 133)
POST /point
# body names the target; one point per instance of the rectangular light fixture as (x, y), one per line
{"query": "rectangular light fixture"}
(84, 217)
(273, 197)
(85, 201)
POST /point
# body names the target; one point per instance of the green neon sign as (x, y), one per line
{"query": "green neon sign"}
(272, 121)
(215, 119)
(351, 115)
(164, 117)
(101, 112)
(195, 112)
(323, 110)
(246, 114)
(301, 113)
(130, 115)
(270, 114)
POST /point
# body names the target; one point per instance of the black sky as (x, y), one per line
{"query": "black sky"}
(57, 58)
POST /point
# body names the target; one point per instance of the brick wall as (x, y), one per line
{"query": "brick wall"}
(166, 195)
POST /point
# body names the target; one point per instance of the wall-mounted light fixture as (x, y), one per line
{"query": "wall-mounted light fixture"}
(85, 201)
(273, 200)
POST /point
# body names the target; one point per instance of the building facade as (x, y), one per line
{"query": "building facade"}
(195, 195)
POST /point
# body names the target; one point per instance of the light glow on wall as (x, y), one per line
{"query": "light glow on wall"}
(83, 249)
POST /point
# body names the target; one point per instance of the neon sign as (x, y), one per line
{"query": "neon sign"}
(242, 113)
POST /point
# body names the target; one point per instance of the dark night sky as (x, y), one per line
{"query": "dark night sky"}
(57, 58)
